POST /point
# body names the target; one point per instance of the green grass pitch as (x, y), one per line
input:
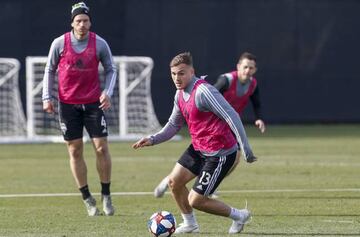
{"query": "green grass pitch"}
(305, 183)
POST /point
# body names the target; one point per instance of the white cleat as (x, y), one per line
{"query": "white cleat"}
(160, 190)
(108, 208)
(238, 225)
(90, 204)
(183, 229)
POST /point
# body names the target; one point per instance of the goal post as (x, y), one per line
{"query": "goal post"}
(12, 118)
(130, 117)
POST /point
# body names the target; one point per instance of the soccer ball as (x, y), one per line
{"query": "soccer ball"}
(162, 224)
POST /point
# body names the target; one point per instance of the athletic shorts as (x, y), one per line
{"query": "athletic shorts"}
(210, 170)
(74, 117)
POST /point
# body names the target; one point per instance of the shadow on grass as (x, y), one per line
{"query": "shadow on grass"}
(307, 215)
(299, 234)
(309, 197)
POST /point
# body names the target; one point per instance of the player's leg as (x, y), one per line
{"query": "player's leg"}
(216, 207)
(213, 172)
(184, 171)
(161, 188)
(178, 179)
(77, 162)
(79, 171)
(103, 165)
(71, 123)
(95, 124)
(103, 159)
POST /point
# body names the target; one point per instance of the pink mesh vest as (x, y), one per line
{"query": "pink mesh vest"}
(78, 73)
(239, 103)
(208, 132)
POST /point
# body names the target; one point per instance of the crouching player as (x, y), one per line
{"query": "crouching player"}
(212, 124)
(238, 88)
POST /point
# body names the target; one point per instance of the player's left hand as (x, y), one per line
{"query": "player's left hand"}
(261, 125)
(251, 159)
(105, 103)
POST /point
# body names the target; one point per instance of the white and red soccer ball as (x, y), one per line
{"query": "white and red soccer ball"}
(162, 224)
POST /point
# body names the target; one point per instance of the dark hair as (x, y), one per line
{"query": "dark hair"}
(247, 55)
(183, 58)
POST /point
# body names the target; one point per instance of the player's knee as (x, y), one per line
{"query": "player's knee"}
(101, 150)
(173, 185)
(196, 200)
(75, 148)
(75, 153)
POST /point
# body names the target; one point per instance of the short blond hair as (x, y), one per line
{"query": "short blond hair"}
(183, 58)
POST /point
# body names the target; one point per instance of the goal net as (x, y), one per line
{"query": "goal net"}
(12, 119)
(130, 117)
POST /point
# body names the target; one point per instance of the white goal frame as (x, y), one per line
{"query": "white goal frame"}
(12, 113)
(128, 82)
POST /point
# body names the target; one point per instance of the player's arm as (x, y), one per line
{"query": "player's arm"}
(50, 73)
(106, 59)
(222, 83)
(255, 101)
(211, 100)
(172, 127)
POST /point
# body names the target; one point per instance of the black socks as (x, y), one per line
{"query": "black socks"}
(85, 192)
(105, 188)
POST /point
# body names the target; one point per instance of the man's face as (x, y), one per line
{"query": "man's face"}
(181, 75)
(246, 69)
(81, 24)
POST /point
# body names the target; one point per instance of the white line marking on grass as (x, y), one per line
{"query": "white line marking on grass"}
(335, 221)
(151, 193)
(293, 190)
(71, 194)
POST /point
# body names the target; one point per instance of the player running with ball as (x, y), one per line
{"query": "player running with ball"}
(217, 134)
(238, 88)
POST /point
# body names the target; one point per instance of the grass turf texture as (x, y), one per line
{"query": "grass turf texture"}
(305, 183)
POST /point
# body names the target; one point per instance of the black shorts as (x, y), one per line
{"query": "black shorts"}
(74, 117)
(210, 170)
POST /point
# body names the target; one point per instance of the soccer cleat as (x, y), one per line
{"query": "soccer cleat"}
(183, 229)
(160, 190)
(108, 208)
(238, 225)
(91, 208)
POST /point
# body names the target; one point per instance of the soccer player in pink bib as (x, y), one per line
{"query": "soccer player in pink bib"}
(240, 86)
(75, 57)
(216, 133)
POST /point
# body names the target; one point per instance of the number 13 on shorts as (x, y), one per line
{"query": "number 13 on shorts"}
(205, 178)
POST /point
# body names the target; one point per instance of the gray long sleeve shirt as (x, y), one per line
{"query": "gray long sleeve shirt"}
(207, 98)
(103, 53)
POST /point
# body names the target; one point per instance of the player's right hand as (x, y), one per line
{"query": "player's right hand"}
(48, 106)
(145, 141)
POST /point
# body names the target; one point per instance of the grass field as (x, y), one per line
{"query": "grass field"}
(305, 183)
